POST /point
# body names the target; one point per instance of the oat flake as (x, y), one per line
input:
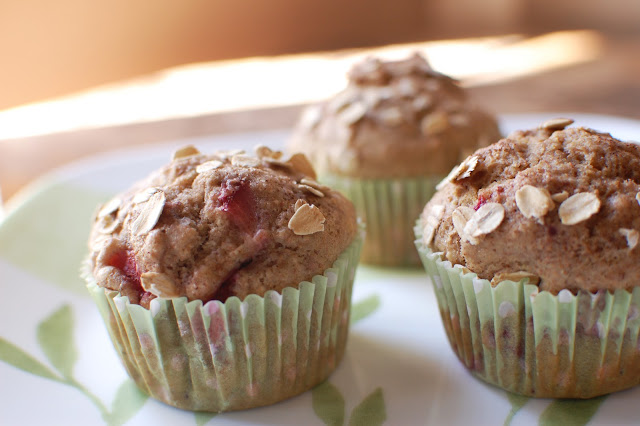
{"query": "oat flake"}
(435, 123)
(579, 207)
(353, 113)
(149, 214)
(310, 117)
(300, 163)
(459, 120)
(208, 166)
(300, 203)
(111, 207)
(185, 151)
(556, 123)
(108, 224)
(422, 102)
(314, 184)
(460, 172)
(342, 100)
(159, 285)
(460, 217)
(266, 152)
(467, 167)
(311, 189)
(145, 195)
(515, 277)
(631, 235)
(560, 196)
(308, 219)
(485, 220)
(534, 202)
(391, 116)
(245, 161)
(431, 222)
(224, 155)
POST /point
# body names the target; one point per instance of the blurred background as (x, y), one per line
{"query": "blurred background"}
(54, 48)
(82, 77)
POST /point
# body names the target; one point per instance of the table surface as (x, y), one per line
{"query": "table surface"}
(605, 80)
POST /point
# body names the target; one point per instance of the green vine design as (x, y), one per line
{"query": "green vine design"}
(329, 406)
(364, 308)
(202, 418)
(517, 402)
(575, 412)
(55, 338)
(327, 400)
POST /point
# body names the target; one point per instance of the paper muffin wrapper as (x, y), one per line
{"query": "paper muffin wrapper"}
(536, 343)
(389, 208)
(237, 354)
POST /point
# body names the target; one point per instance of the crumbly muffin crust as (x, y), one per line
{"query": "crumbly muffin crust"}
(220, 225)
(394, 119)
(557, 205)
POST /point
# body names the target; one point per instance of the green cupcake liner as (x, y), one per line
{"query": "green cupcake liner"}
(533, 342)
(237, 354)
(389, 208)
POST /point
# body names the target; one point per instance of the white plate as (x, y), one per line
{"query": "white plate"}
(398, 363)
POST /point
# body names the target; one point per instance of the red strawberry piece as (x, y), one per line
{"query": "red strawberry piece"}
(125, 261)
(482, 200)
(236, 198)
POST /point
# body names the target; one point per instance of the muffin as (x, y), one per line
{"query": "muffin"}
(225, 279)
(531, 244)
(386, 140)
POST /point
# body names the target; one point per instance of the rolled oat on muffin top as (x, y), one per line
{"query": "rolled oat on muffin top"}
(394, 119)
(219, 225)
(557, 205)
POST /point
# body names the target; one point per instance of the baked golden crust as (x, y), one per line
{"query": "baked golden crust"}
(394, 119)
(559, 205)
(220, 225)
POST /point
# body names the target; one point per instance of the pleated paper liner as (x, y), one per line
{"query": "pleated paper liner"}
(389, 208)
(536, 343)
(237, 354)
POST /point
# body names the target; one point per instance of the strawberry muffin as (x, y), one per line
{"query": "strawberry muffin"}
(225, 279)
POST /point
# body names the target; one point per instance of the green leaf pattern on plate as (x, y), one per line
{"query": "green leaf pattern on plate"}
(55, 337)
(365, 307)
(574, 412)
(328, 404)
(517, 402)
(55, 333)
(202, 418)
(128, 401)
(327, 400)
(56, 341)
(371, 411)
(18, 358)
(60, 223)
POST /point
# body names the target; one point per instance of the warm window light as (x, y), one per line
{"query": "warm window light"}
(288, 80)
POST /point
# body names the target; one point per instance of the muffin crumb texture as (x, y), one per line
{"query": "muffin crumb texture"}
(557, 205)
(214, 226)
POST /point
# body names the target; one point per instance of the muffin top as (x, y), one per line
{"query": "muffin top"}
(394, 119)
(557, 205)
(220, 225)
